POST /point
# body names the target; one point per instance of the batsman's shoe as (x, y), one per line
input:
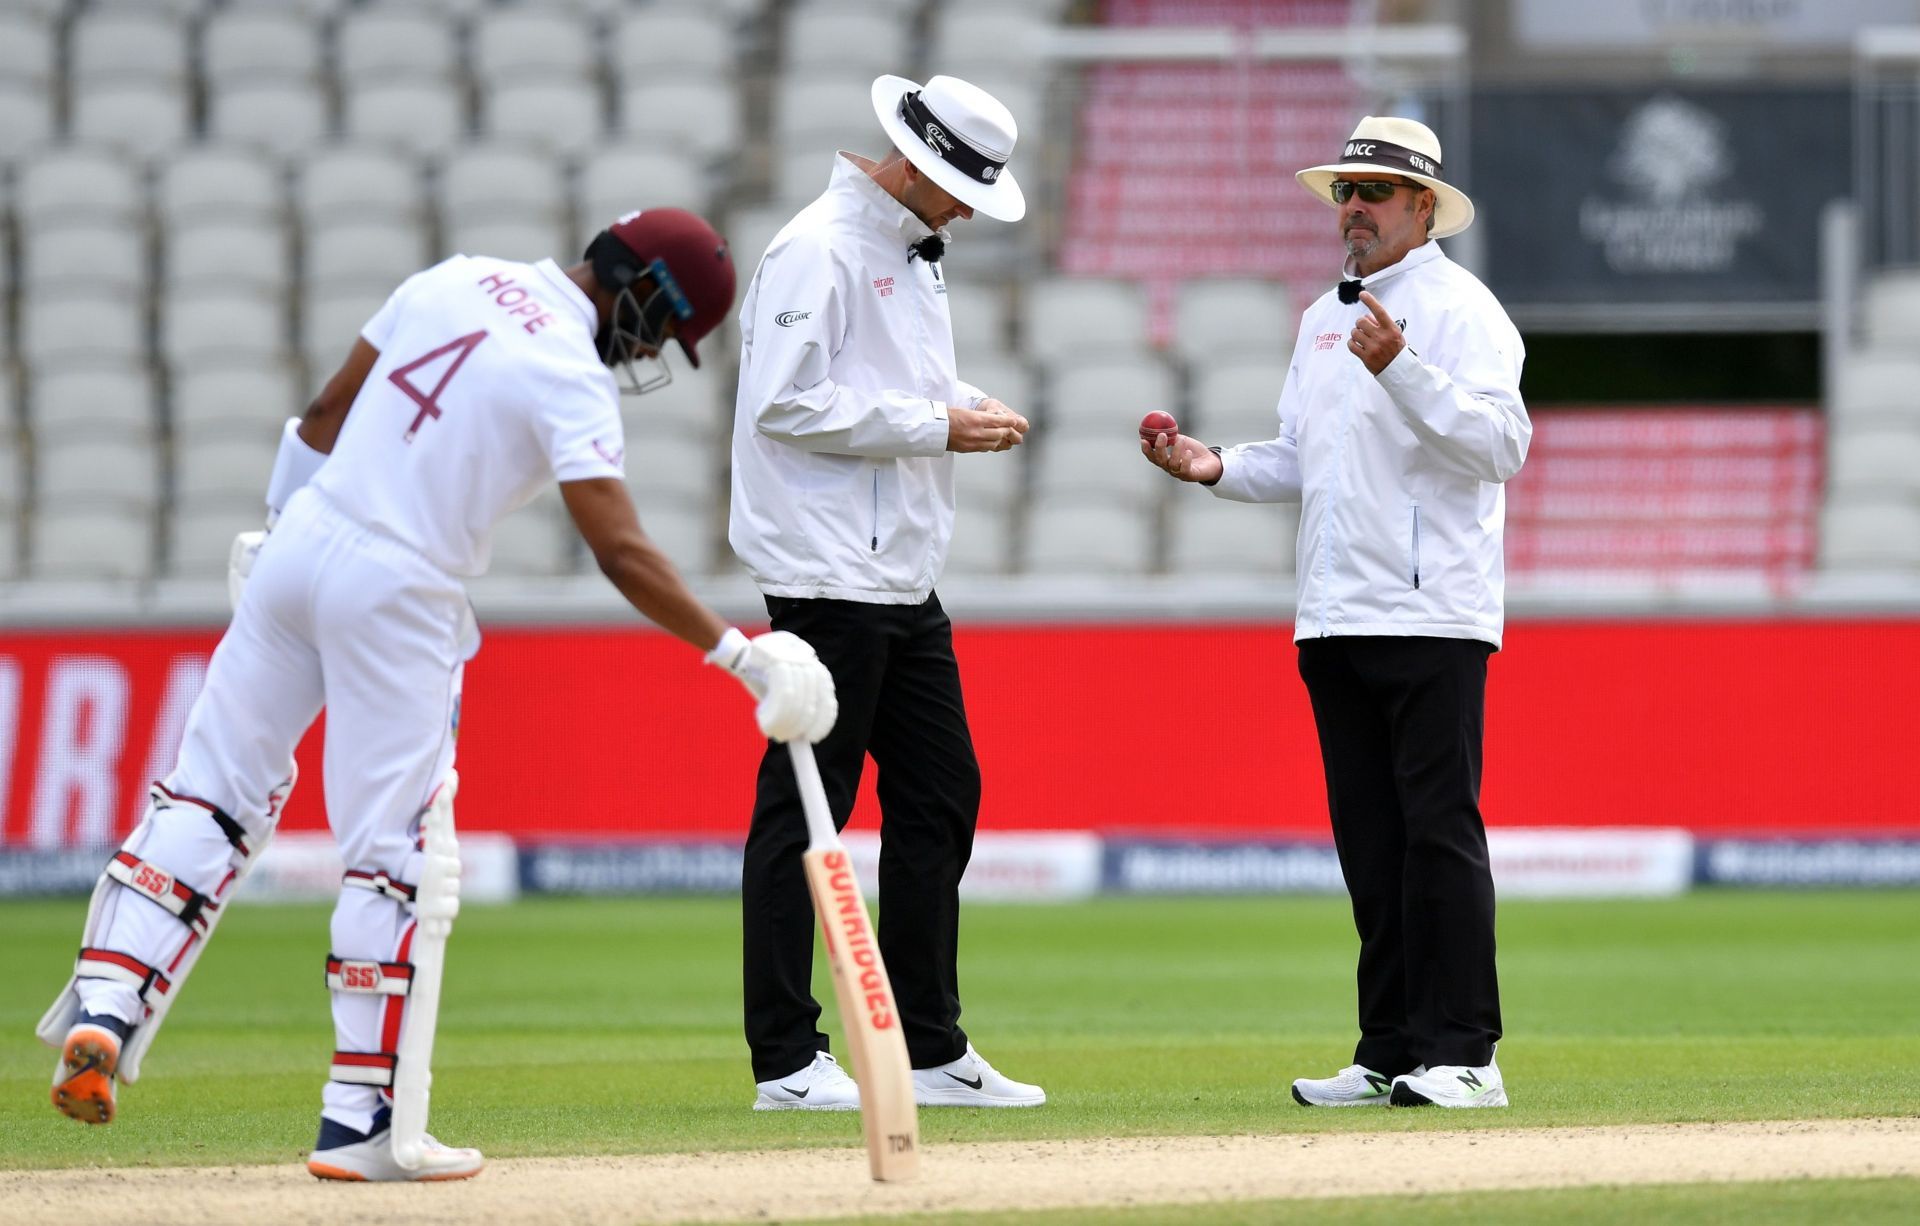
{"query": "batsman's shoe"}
(821, 1086)
(1353, 1086)
(367, 1157)
(1451, 1085)
(83, 1080)
(971, 1082)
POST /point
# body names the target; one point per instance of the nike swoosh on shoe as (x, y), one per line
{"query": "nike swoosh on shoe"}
(975, 1084)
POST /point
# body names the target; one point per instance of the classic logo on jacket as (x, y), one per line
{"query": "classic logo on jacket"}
(787, 319)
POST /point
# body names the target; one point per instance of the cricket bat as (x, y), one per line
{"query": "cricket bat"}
(867, 1010)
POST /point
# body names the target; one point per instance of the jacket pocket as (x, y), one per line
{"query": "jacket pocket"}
(874, 522)
(1414, 551)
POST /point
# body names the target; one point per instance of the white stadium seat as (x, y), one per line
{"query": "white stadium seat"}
(498, 179)
(981, 317)
(121, 44)
(27, 56)
(684, 531)
(217, 398)
(1891, 312)
(625, 177)
(80, 403)
(26, 117)
(364, 253)
(1873, 534)
(360, 182)
(825, 112)
(963, 38)
(982, 541)
(1235, 402)
(1208, 535)
(386, 44)
(424, 117)
(225, 323)
(1105, 462)
(507, 239)
(211, 181)
(82, 326)
(691, 469)
(56, 257)
(530, 541)
(139, 119)
(235, 465)
(1073, 317)
(870, 41)
(990, 481)
(97, 469)
(1069, 534)
(91, 542)
(697, 113)
(510, 41)
(1216, 318)
(655, 39)
(200, 532)
(1109, 396)
(72, 184)
(330, 322)
(259, 44)
(225, 252)
(284, 118)
(1874, 462)
(691, 407)
(562, 114)
(1004, 377)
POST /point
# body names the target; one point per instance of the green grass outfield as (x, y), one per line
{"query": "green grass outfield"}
(590, 1026)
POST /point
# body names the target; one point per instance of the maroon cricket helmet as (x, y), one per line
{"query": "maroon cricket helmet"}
(697, 263)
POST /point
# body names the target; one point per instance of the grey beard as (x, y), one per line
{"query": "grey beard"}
(1361, 242)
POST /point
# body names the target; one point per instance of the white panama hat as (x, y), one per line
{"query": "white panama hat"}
(1398, 146)
(959, 135)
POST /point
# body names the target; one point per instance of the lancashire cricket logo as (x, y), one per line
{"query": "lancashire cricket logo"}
(856, 934)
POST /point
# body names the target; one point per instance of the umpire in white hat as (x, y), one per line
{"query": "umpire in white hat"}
(849, 417)
(1400, 421)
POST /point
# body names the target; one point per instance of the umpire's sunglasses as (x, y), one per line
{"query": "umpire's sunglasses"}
(1373, 191)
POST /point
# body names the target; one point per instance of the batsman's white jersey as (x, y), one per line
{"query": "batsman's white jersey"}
(487, 387)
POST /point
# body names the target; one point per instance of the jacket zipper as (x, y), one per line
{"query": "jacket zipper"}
(1416, 546)
(876, 510)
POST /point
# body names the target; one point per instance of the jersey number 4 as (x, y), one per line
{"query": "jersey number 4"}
(461, 349)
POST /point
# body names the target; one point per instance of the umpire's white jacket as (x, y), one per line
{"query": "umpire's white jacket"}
(1399, 477)
(842, 483)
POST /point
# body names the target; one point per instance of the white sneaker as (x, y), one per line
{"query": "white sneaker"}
(1353, 1086)
(367, 1157)
(1451, 1085)
(971, 1082)
(820, 1086)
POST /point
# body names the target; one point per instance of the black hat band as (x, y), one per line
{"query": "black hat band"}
(1389, 156)
(951, 147)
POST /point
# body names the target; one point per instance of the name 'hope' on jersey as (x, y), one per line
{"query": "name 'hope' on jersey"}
(487, 387)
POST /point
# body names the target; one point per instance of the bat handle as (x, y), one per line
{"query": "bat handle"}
(813, 796)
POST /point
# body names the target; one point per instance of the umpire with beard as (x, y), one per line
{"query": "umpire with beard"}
(1399, 422)
(848, 417)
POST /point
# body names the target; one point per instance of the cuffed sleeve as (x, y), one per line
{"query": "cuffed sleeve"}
(1472, 418)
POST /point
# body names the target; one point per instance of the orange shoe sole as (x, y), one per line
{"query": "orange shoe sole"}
(91, 1057)
(322, 1170)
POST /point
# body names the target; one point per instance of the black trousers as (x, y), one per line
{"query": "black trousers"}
(899, 689)
(1400, 723)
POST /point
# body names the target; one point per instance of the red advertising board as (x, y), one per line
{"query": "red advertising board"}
(1780, 726)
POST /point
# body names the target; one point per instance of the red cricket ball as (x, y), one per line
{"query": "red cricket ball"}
(1157, 423)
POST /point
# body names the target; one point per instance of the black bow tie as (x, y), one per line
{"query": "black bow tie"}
(930, 249)
(1349, 291)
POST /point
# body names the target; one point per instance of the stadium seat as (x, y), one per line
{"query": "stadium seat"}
(360, 182)
(122, 44)
(834, 39)
(1070, 534)
(700, 114)
(102, 256)
(235, 465)
(558, 113)
(212, 181)
(26, 117)
(964, 38)
(1075, 317)
(802, 174)
(1103, 463)
(140, 119)
(284, 118)
(683, 529)
(222, 323)
(80, 403)
(508, 239)
(1220, 318)
(421, 116)
(1004, 377)
(990, 482)
(1891, 312)
(1108, 396)
(1876, 534)
(82, 326)
(1874, 462)
(625, 177)
(97, 469)
(1235, 401)
(27, 57)
(312, 10)
(694, 40)
(330, 321)
(982, 541)
(692, 472)
(224, 252)
(1877, 387)
(692, 407)
(501, 180)
(1211, 536)
(530, 541)
(90, 542)
(254, 44)
(200, 532)
(386, 44)
(750, 231)
(212, 399)
(70, 184)
(508, 42)
(364, 253)
(825, 112)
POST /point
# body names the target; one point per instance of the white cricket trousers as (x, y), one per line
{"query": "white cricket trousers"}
(339, 616)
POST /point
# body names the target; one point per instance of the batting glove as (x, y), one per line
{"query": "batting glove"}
(246, 547)
(794, 690)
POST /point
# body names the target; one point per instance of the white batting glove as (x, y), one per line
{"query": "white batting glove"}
(246, 547)
(795, 690)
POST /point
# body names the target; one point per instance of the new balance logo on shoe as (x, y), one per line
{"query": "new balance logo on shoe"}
(1470, 1081)
(1380, 1084)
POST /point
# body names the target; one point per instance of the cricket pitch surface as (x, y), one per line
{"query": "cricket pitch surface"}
(822, 1184)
